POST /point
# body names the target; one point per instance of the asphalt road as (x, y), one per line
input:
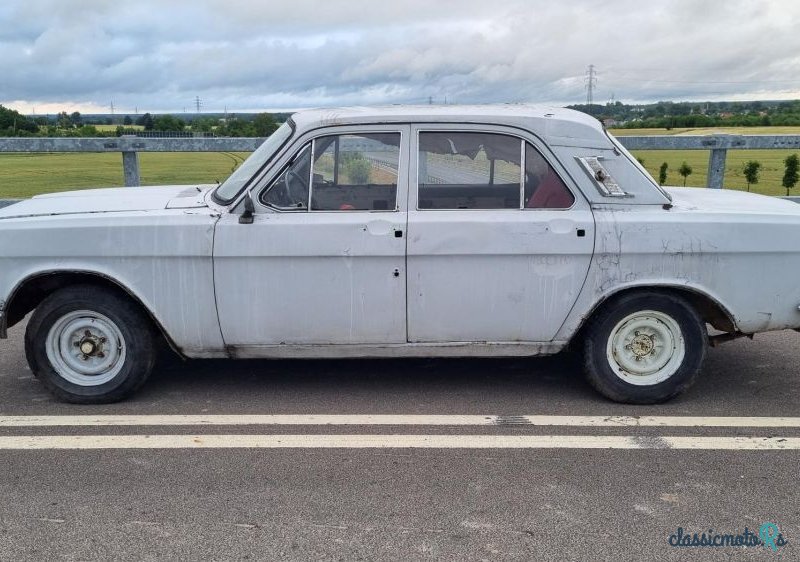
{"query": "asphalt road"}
(400, 503)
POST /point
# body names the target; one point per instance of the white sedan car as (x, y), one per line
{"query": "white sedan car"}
(402, 232)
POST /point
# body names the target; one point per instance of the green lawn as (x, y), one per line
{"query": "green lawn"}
(769, 177)
(24, 175)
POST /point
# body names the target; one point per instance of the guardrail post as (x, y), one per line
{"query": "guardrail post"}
(130, 167)
(716, 168)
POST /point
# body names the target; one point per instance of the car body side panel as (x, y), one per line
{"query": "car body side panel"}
(743, 261)
(495, 275)
(311, 278)
(162, 258)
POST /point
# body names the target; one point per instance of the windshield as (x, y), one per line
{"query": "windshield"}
(231, 187)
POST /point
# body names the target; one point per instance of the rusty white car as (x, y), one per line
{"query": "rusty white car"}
(402, 232)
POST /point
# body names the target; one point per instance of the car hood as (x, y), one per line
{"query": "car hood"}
(112, 200)
(729, 201)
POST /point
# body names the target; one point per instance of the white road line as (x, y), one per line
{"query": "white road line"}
(366, 420)
(394, 441)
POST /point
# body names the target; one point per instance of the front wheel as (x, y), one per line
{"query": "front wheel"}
(90, 345)
(644, 348)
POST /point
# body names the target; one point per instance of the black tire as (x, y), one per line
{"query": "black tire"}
(610, 379)
(138, 341)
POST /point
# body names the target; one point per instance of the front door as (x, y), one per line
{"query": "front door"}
(324, 260)
(499, 245)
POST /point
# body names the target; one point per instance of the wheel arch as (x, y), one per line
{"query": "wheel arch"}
(32, 290)
(710, 309)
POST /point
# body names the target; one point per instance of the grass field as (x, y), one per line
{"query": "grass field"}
(771, 171)
(770, 174)
(24, 175)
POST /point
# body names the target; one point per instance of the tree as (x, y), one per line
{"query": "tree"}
(750, 170)
(264, 125)
(76, 119)
(685, 170)
(662, 173)
(145, 121)
(12, 122)
(202, 125)
(235, 127)
(63, 121)
(86, 131)
(127, 121)
(168, 123)
(790, 175)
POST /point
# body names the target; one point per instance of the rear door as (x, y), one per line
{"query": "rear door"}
(499, 239)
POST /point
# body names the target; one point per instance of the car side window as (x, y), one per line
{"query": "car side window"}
(464, 170)
(289, 191)
(544, 189)
(356, 172)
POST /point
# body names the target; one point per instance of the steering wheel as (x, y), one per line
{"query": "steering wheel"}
(291, 197)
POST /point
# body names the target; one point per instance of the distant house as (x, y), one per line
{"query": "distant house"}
(609, 123)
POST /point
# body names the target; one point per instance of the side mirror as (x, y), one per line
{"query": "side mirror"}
(249, 209)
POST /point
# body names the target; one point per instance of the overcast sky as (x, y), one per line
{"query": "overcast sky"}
(252, 55)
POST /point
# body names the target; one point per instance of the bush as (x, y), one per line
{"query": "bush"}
(356, 168)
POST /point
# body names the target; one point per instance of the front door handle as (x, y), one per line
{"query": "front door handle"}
(383, 228)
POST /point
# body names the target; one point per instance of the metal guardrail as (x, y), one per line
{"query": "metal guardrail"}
(131, 146)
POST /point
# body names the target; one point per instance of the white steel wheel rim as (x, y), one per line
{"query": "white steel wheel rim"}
(646, 348)
(86, 348)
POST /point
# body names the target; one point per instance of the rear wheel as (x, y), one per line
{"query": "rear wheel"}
(90, 345)
(644, 348)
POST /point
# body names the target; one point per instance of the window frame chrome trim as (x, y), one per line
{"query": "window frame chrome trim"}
(420, 128)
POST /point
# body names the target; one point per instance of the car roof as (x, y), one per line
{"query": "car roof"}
(555, 124)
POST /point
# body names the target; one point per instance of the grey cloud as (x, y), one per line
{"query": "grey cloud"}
(246, 55)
